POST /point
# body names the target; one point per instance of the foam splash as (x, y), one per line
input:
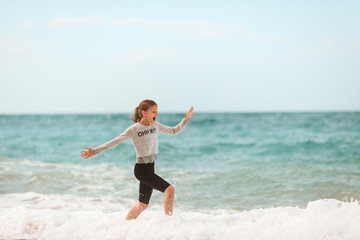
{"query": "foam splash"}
(322, 219)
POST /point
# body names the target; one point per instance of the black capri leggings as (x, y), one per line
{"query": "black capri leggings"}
(145, 173)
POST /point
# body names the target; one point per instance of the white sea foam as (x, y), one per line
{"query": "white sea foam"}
(33, 215)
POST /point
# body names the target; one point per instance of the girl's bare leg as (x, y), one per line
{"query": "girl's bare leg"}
(169, 200)
(136, 210)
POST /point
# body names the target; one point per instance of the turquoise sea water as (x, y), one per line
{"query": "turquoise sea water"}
(231, 162)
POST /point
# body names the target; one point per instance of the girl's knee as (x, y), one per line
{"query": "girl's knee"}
(170, 190)
(142, 206)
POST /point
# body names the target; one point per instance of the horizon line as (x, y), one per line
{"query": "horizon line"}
(183, 112)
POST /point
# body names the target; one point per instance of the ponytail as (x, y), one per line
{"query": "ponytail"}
(143, 106)
(137, 116)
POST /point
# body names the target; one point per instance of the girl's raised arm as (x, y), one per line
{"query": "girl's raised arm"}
(178, 128)
(189, 114)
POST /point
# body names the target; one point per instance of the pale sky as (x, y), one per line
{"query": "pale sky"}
(237, 56)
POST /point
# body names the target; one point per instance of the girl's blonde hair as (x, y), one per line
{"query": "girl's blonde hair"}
(143, 106)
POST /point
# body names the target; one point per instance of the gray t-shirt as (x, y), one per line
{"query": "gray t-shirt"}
(145, 139)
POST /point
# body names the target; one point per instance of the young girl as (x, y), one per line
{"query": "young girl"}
(144, 133)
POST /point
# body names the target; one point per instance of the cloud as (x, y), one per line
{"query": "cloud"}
(191, 29)
(76, 22)
(18, 46)
(186, 29)
(256, 37)
(26, 25)
(339, 44)
(146, 54)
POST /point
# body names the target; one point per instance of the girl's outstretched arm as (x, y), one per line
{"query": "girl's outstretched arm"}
(88, 153)
(93, 151)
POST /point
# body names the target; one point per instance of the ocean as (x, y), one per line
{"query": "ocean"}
(236, 176)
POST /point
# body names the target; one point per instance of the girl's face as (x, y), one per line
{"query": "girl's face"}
(150, 115)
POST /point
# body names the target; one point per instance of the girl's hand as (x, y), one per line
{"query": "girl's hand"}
(88, 153)
(189, 114)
